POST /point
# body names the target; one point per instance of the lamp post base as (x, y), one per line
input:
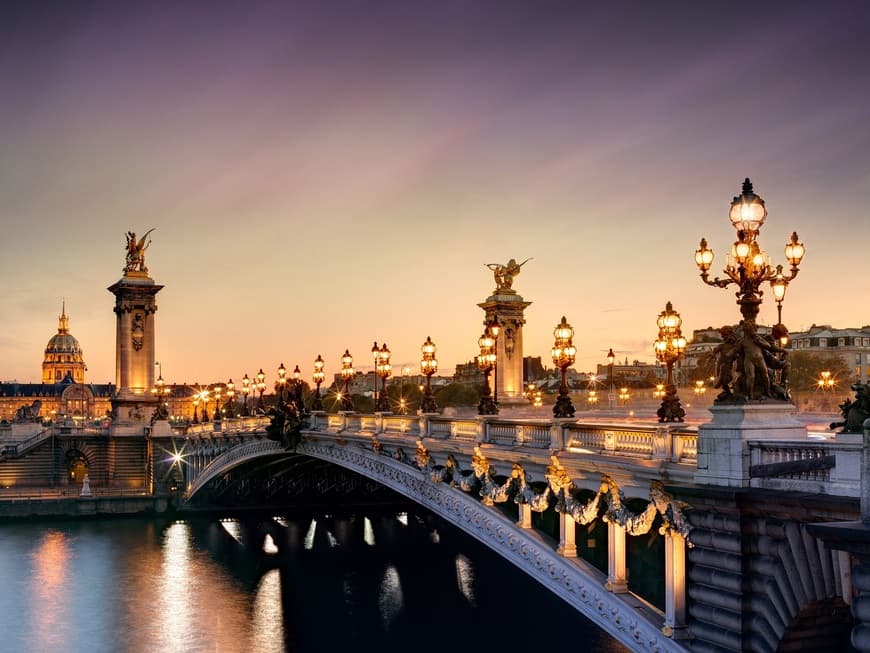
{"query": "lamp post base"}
(671, 410)
(487, 406)
(563, 406)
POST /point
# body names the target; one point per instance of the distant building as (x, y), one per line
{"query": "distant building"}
(468, 373)
(634, 374)
(63, 392)
(852, 345)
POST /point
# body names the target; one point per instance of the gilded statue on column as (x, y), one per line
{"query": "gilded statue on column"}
(136, 252)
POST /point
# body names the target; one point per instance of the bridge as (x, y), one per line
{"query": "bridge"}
(688, 565)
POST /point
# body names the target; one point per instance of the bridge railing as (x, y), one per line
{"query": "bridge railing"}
(821, 466)
(228, 426)
(676, 444)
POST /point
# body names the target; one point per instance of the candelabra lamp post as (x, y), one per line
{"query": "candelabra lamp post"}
(376, 352)
(494, 327)
(217, 391)
(281, 383)
(246, 390)
(195, 407)
(383, 369)
(297, 389)
(346, 376)
(611, 395)
(317, 377)
(485, 362)
(428, 367)
(563, 353)
(669, 348)
(748, 267)
(261, 387)
(203, 397)
(231, 399)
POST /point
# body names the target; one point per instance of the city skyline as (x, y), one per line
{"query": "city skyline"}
(321, 179)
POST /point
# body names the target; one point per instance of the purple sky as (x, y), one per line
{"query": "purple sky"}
(323, 175)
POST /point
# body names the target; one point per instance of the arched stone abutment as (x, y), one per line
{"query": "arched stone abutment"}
(757, 577)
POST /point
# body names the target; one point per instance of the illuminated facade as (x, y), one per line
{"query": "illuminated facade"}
(63, 355)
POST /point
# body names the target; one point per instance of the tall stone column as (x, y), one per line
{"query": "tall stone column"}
(506, 307)
(617, 574)
(135, 305)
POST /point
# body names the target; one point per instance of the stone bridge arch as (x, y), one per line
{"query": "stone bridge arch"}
(572, 579)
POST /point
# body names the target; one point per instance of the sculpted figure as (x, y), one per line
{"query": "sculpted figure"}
(726, 353)
(504, 274)
(754, 367)
(136, 252)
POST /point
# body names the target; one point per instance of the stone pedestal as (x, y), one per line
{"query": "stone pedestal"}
(723, 443)
(507, 307)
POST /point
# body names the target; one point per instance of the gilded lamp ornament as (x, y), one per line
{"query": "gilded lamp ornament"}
(669, 348)
(428, 366)
(751, 365)
(564, 353)
(485, 362)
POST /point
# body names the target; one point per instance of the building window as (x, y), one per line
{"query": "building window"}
(858, 372)
(866, 342)
(858, 359)
(823, 342)
(841, 342)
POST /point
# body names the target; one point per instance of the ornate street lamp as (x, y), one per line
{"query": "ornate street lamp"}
(217, 390)
(203, 397)
(383, 369)
(592, 398)
(261, 386)
(281, 383)
(623, 395)
(669, 348)
(494, 327)
(564, 353)
(486, 362)
(699, 388)
(231, 399)
(346, 376)
(611, 397)
(297, 389)
(246, 390)
(825, 381)
(317, 377)
(195, 407)
(376, 353)
(748, 267)
(428, 366)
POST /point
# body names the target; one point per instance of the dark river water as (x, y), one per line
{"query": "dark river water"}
(377, 581)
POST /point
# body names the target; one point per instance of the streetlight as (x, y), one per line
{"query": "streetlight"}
(825, 381)
(346, 376)
(428, 366)
(623, 395)
(376, 352)
(231, 398)
(592, 398)
(699, 388)
(246, 389)
(281, 383)
(748, 267)
(217, 390)
(261, 386)
(669, 348)
(563, 353)
(317, 377)
(203, 397)
(611, 396)
(297, 389)
(494, 327)
(195, 406)
(486, 361)
(383, 369)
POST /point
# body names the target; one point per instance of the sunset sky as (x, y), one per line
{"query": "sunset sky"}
(323, 175)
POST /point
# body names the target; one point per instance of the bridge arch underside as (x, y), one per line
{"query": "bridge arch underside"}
(758, 581)
(288, 479)
(357, 469)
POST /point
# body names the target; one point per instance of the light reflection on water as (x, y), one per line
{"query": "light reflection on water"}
(195, 585)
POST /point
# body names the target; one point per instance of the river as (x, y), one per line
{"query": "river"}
(384, 580)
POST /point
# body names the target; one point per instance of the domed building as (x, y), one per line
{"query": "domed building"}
(63, 392)
(63, 355)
